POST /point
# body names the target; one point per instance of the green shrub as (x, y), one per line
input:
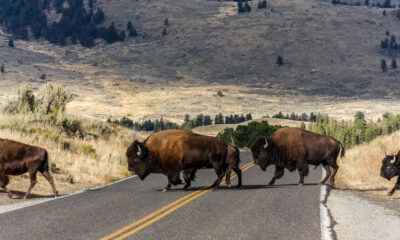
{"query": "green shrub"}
(244, 135)
(53, 97)
(67, 177)
(88, 149)
(65, 145)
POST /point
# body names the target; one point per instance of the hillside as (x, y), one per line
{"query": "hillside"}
(331, 60)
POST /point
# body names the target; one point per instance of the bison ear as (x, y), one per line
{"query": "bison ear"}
(266, 143)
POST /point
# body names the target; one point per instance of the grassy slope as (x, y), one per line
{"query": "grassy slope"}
(332, 55)
(360, 168)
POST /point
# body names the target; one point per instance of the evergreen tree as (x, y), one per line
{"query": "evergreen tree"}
(366, 2)
(394, 63)
(2, 68)
(207, 120)
(164, 32)
(247, 7)
(249, 117)
(11, 43)
(383, 65)
(302, 125)
(166, 22)
(240, 6)
(129, 26)
(385, 43)
(279, 60)
(90, 3)
(122, 36)
(384, 13)
(199, 120)
(393, 43)
(187, 118)
(99, 16)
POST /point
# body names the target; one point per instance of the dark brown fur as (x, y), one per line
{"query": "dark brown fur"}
(232, 163)
(18, 158)
(171, 151)
(295, 148)
(390, 169)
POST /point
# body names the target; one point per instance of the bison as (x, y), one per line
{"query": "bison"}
(391, 168)
(295, 148)
(232, 163)
(171, 151)
(18, 158)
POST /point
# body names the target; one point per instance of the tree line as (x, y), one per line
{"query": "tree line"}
(188, 122)
(77, 24)
(357, 131)
(312, 117)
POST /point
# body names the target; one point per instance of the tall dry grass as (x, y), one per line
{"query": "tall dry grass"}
(360, 168)
(74, 159)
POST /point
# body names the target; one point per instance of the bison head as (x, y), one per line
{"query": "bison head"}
(260, 149)
(137, 155)
(390, 166)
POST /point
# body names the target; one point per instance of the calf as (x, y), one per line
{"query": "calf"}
(18, 158)
(391, 168)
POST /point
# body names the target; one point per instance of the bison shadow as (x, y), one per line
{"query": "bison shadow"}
(243, 187)
(20, 195)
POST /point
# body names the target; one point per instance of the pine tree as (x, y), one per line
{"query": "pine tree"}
(383, 65)
(122, 36)
(384, 13)
(240, 6)
(129, 26)
(11, 43)
(187, 118)
(302, 125)
(249, 117)
(164, 32)
(207, 120)
(394, 63)
(199, 120)
(279, 60)
(247, 7)
(166, 22)
(2, 68)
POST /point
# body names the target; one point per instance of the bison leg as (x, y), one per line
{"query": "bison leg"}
(279, 171)
(328, 172)
(335, 169)
(189, 175)
(397, 186)
(228, 177)
(220, 173)
(238, 172)
(33, 183)
(3, 184)
(48, 177)
(173, 178)
(303, 171)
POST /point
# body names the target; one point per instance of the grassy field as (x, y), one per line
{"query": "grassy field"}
(360, 168)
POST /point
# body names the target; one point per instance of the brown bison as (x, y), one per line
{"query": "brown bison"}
(18, 158)
(295, 148)
(390, 169)
(232, 162)
(171, 151)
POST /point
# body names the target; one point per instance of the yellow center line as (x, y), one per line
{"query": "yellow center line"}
(172, 207)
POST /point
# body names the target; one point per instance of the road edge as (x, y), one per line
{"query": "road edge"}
(326, 218)
(17, 206)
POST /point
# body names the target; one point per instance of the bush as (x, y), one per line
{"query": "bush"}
(88, 149)
(53, 97)
(243, 136)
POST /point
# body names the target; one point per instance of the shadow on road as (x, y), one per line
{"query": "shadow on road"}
(243, 187)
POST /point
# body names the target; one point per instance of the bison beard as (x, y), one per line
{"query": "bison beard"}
(18, 158)
(295, 148)
(171, 151)
(391, 168)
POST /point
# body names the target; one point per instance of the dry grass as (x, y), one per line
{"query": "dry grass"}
(360, 168)
(84, 162)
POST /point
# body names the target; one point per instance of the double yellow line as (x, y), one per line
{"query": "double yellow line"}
(162, 212)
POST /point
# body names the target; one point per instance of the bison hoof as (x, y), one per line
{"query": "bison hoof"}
(300, 184)
(390, 194)
(271, 183)
(228, 185)
(165, 190)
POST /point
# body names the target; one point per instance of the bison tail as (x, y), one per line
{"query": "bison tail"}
(343, 150)
(45, 164)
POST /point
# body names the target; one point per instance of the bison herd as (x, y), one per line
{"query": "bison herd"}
(173, 152)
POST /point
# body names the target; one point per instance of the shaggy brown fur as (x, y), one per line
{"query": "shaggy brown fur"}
(168, 152)
(295, 148)
(18, 158)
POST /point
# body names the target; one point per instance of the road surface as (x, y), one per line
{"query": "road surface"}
(135, 209)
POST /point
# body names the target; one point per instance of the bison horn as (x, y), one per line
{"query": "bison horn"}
(140, 150)
(393, 160)
(266, 143)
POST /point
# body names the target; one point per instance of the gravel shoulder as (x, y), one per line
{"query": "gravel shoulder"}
(357, 217)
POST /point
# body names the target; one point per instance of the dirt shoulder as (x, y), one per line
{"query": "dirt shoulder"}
(42, 191)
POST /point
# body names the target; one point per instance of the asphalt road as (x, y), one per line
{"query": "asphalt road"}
(256, 211)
